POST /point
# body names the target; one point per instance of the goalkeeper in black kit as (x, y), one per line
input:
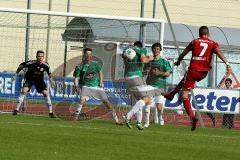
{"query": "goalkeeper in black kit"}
(35, 76)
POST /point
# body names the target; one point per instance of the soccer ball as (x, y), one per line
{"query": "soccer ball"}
(129, 53)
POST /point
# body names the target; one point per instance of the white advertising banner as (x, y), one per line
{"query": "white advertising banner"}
(211, 100)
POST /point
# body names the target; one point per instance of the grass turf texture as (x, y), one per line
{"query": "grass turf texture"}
(25, 137)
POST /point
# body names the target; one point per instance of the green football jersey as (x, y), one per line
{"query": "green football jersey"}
(88, 74)
(158, 81)
(134, 67)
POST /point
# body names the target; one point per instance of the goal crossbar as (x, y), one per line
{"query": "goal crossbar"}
(54, 13)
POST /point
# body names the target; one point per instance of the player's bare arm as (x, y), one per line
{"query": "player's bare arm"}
(101, 84)
(181, 56)
(223, 58)
(75, 85)
(146, 59)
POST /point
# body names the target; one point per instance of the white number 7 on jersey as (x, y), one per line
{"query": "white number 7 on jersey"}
(204, 45)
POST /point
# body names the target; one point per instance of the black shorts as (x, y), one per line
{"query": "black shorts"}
(40, 85)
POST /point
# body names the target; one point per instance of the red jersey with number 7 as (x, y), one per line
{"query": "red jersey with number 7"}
(202, 51)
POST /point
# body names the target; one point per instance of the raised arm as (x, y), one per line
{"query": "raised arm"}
(220, 54)
(181, 56)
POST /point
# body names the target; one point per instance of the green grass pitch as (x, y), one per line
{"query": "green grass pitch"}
(41, 138)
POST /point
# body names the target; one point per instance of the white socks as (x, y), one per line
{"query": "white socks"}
(114, 116)
(49, 104)
(147, 118)
(20, 101)
(138, 106)
(156, 115)
(47, 101)
(139, 116)
(161, 114)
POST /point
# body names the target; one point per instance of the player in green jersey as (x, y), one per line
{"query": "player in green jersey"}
(89, 83)
(135, 82)
(160, 69)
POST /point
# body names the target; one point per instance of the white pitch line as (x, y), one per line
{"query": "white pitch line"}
(127, 130)
(23, 123)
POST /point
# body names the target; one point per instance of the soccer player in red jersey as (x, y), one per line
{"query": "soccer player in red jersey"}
(202, 50)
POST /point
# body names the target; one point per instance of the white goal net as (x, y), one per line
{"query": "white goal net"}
(63, 36)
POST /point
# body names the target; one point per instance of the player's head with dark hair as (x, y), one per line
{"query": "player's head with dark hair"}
(87, 50)
(138, 44)
(40, 51)
(156, 49)
(155, 45)
(87, 54)
(203, 31)
(228, 82)
(40, 56)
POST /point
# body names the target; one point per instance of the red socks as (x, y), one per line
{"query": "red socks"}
(187, 106)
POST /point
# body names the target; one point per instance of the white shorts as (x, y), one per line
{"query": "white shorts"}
(158, 99)
(93, 92)
(138, 88)
(134, 81)
(145, 90)
(155, 100)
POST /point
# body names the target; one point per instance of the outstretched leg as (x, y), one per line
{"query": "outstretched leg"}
(20, 100)
(170, 95)
(110, 108)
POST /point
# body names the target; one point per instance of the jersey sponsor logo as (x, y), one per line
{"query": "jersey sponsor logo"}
(199, 58)
(89, 76)
(205, 41)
